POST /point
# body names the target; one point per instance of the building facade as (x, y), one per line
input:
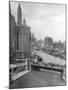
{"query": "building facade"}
(12, 34)
(19, 36)
(48, 43)
(59, 47)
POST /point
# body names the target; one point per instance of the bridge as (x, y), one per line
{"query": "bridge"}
(39, 67)
(40, 78)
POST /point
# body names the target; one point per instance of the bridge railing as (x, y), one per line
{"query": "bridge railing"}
(39, 67)
(15, 69)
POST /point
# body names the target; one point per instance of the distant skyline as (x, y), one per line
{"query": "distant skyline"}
(45, 20)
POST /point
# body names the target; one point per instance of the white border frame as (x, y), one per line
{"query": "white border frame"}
(4, 43)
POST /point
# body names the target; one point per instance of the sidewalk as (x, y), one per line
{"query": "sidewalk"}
(16, 76)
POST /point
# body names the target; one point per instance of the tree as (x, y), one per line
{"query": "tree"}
(39, 59)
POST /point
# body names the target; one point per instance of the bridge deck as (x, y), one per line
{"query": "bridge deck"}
(38, 79)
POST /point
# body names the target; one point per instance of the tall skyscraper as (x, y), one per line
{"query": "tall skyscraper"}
(23, 35)
(20, 36)
(19, 16)
(12, 33)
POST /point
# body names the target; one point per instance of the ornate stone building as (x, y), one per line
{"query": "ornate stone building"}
(19, 37)
(12, 34)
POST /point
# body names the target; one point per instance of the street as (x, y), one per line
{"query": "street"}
(38, 79)
(50, 59)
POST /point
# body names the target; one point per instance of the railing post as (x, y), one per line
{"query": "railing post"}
(26, 64)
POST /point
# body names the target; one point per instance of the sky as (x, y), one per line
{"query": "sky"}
(45, 20)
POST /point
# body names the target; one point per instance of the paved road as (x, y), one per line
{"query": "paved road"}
(50, 59)
(38, 79)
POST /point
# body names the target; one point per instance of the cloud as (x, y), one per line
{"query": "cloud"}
(44, 19)
(59, 18)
